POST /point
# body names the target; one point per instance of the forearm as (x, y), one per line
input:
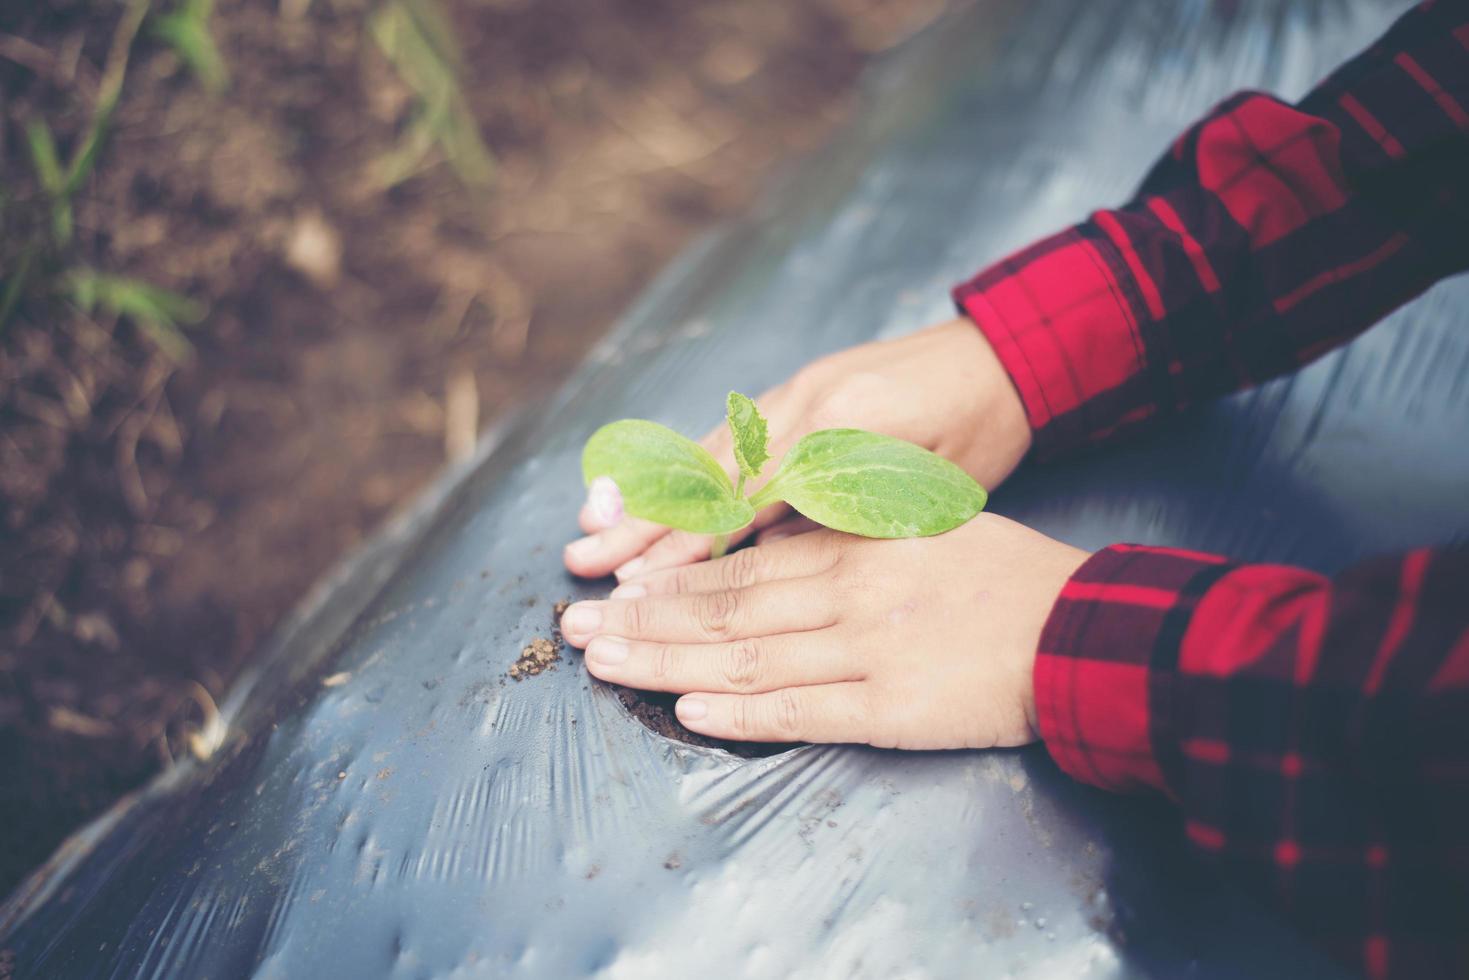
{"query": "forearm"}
(1315, 732)
(1267, 235)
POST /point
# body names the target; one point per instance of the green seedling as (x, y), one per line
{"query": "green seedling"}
(418, 39)
(159, 313)
(40, 268)
(846, 479)
(62, 182)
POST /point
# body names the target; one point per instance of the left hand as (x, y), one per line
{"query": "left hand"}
(923, 643)
(942, 388)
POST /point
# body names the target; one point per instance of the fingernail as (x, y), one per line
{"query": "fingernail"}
(630, 569)
(691, 709)
(605, 500)
(607, 651)
(629, 591)
(773, 536)
(581, 619)
(584, 547)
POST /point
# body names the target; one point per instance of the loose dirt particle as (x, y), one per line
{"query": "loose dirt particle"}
(537, 656)
(556, 612)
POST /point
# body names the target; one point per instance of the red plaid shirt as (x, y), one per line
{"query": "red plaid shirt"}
(1315, 731)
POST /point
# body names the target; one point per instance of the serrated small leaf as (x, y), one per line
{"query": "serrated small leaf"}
(665, 478)
(873, 485)
(751, 434)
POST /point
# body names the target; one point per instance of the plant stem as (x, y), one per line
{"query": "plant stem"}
(720, 544)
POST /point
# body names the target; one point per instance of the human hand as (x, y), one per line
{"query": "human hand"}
(942, 388)
(918, 643)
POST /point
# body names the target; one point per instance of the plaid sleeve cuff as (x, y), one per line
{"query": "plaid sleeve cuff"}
(1107, 659)
(1059, 315)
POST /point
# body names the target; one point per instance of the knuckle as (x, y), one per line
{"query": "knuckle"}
(828, 546)
(788, 715)
(848, 581)
(742, 569)
(810, 379)
(848, 401)
(683, 579)
(662, 661)
(636, 618)
(849, 588)
(716, 612)
(832, 410)
(741, 718)
(741, 665)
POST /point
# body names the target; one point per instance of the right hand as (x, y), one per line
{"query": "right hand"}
(942, 388)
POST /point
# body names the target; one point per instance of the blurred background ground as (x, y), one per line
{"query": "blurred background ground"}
(320, 244)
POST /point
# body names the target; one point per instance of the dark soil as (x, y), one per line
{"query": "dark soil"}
(655, 710)
(160, 514)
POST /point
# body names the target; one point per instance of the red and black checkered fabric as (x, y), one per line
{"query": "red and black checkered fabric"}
(1315, 731)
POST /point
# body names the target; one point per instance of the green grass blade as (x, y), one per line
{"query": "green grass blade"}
(418, 41)
(108, 92)
(186, 30)
(156, 311)
(44, 157)
(54, 182)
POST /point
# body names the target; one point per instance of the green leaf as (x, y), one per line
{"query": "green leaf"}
(751, 434)
(419, 40)
(872, 485)
(53, 179)
(187, 31)
(158, 312)
(44, 157)
(665, 478)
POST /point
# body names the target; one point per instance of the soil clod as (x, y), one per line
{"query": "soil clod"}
(536, 657)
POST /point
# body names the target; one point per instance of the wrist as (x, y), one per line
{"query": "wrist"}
(1001, 435)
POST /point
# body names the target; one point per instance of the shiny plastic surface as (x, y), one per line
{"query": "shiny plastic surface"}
(421, 816)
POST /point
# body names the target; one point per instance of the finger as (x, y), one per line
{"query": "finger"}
(788, 528)
(597, 554)
(673, 549)
(603, 507)
(821, 713)
(789, 606)
(681, 548)
(760, 663)
(750, 566)
(589, 522)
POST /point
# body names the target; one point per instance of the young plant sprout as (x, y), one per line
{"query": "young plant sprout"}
(846, 479)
